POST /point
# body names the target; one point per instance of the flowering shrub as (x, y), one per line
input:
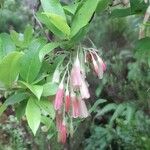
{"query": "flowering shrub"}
(45, 78)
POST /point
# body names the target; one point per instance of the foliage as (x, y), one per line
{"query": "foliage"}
(33, 56)
(129, 132)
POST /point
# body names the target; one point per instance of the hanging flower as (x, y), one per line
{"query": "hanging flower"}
(76, 83)
(59, 97)
(75, 106)
(76, 74)
(62, 134)
(84, 91)
(67, 101)
(83, 109)
(95, 66)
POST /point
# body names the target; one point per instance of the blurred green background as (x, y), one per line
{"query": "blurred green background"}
(120, 102)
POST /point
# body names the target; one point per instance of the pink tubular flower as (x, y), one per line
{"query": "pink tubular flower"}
(76, 74)
(84, 90)
(101, 63)
(67, 101)
(75, 107)
(95, 65)
(83, 109)
(62, 133)
(59, 97)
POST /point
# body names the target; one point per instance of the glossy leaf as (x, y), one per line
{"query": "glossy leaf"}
(59, 22)
(102, 5)
(53, 6)
(16, 98)
(6, 45)
(30, 62)
(9, 68)
(33, 114)
(83, 16)
(71, 8)
(28, 35)
(116, 13)
(47, 49)
(37, 90)
(45, 20)
(49, 89)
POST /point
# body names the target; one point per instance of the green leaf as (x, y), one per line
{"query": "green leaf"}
(79, 36)
(119, 110)
(130, 113)
(45, 20)
(59, 22)
(138, 6)
(143, 44)
(47, 49)
(3, 107)
(94, 107)
(17, 38)
(30, 62)
(47, 108)
(33, 114)
(16, 98)
(83, 16)
(6, 45)
(28, 35)
(142, 48)
(71, 8)
(37, 90)
(106, 109)
(116, 13)
(49, 89)
(9, 68)
(50, 125)
(20, 110)
(53, 6)
(47, 121)
(102, 5)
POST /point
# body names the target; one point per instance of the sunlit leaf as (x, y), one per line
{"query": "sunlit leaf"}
(33, 114)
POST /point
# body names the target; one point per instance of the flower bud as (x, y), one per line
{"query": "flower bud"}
(75, 106)
(67, 101)
(76, 74)
(83, 109)
(59, 97)
(84, 91)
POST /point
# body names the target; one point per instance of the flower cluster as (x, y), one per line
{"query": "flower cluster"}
(73, 90)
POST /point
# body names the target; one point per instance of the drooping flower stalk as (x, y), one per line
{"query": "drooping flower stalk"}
(72, 91)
